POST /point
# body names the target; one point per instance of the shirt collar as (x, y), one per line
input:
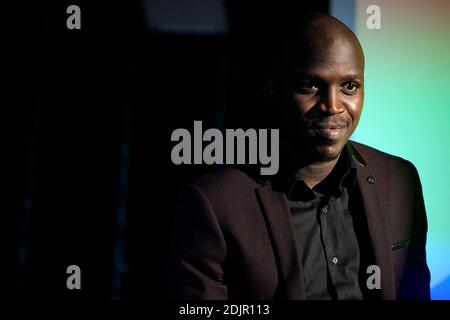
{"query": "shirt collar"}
(342, 175)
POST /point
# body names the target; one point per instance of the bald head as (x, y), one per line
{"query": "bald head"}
(322, 32)
(315, 36)
(319, 25)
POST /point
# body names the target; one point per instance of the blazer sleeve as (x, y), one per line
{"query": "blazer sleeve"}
(198, 249)
(415, 283)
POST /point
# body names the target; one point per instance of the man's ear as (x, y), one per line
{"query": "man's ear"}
(268, 87)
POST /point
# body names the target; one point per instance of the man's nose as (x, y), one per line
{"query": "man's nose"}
(330, 102)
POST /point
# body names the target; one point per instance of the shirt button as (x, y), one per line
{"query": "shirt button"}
(335, 260)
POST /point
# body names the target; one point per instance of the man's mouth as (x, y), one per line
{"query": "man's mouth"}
(330, 131)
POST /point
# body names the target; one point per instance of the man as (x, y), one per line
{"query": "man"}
(340, 220)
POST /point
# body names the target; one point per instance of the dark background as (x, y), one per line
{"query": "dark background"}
(86, 118)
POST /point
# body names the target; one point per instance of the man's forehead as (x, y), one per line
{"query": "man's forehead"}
(324, 73)
(326, 60)
(337, 54)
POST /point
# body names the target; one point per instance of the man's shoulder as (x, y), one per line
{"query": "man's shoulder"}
(380, 158)
(370, 153)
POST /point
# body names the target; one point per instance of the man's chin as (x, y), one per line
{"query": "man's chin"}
(328, 152)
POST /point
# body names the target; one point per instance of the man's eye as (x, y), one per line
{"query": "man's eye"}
(307, 87)
(350, 87)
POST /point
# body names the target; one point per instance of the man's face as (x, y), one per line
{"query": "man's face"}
(323, 95)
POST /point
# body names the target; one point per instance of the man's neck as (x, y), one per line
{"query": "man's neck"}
(313, 173)
(309, 169)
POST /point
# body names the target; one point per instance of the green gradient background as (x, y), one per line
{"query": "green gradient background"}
(407, 106)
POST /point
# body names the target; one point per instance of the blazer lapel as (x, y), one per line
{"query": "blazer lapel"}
(377, 220)
(281, 230)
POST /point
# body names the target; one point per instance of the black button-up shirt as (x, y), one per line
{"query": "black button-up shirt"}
(325, 236)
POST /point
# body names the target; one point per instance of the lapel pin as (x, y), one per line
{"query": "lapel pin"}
(371, 179)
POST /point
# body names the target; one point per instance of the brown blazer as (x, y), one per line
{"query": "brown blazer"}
(234, 236)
